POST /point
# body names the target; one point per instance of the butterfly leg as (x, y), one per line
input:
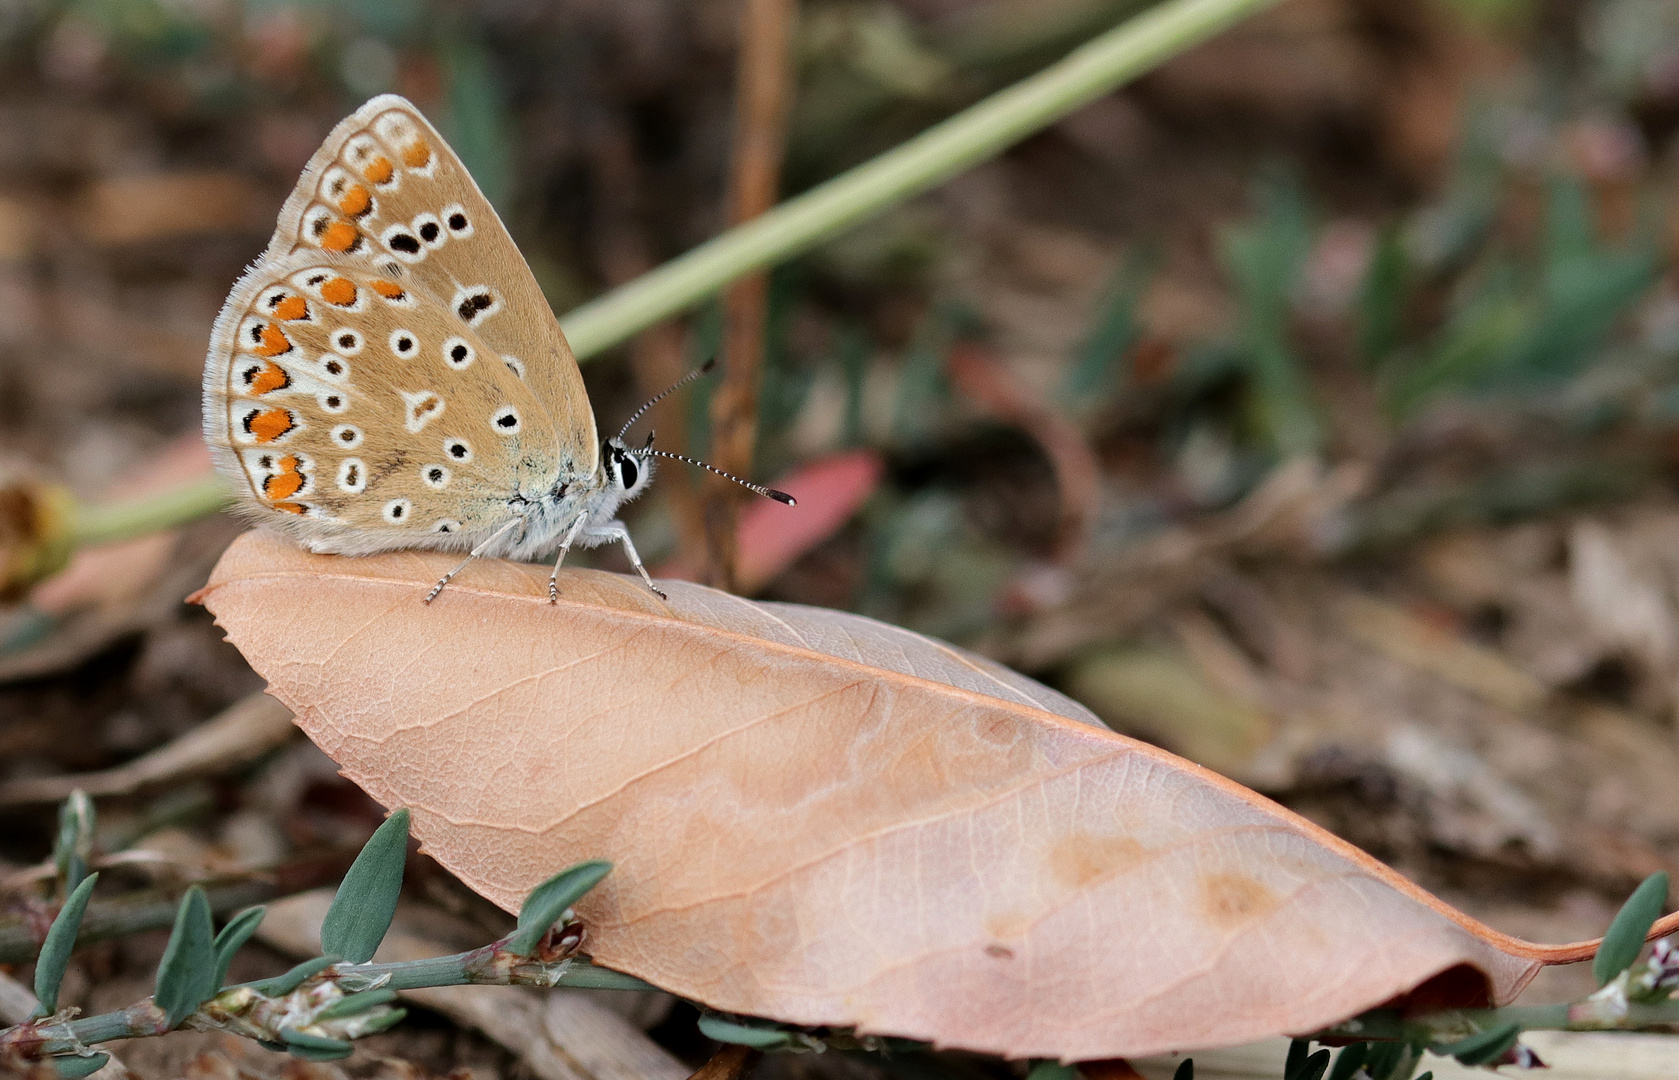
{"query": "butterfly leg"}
(615, 530)
(565, 546)
(473, 554)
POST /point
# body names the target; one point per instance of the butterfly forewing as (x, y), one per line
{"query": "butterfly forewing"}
(365, 413)
(387, 189)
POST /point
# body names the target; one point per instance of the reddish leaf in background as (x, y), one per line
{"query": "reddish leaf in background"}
(822, 819)
(829, 491)
(772, 537)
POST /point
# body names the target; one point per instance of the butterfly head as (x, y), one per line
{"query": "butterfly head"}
(628, 472)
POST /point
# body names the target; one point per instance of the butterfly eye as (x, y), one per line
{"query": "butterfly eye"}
(458, 354)
(457, 449)
(346, 342)
(403, 342)
(352, 476)
(628, 474)
(505, 421)
(396, 511)
(455, 219)
(347, 436)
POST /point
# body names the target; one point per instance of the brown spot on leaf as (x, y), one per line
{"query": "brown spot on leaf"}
(1230, 899)
(1082, 857)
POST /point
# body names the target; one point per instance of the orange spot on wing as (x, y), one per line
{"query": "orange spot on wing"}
(379, 170)
(390, 290)
(270, 424)
(272, 377)
(292, 307)
(339, 236)
(340, 291)
(285, 483)
(417, 154)
(290, 508)
(355, 202)
(273, 342)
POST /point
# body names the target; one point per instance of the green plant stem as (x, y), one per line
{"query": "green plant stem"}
(190, 501)
(942, 151)
(488, 966)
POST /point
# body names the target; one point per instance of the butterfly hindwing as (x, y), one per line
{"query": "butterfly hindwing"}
(386, 188)
(362, 413)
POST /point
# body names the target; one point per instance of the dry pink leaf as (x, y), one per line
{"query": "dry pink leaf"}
(825, 820)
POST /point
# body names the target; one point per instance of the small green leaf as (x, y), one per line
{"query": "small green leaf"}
(60, 943)
(1391, 1060)
(297, 1040)
(1483, 1047)
(549, 900)
(1625, 939)
(74, 845)
(1048, 1070)
(233, 937)
(74, 1068)
(361, 912)
(187, 972)
(1297, 1051)
(1348, 1060)
(351, 1004)
(281, 985)
(724, 1031)
(1185, 1070)
(380, 1023)
(1312, 1068)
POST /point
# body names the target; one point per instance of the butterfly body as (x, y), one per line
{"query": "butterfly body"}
(388, 374)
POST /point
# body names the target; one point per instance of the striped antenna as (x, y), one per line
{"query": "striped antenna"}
(703, 369)
(771, 493)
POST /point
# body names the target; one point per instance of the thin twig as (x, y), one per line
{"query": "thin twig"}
(761, 100)
(657, 354)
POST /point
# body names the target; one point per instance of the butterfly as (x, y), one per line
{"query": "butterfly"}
(388, 375)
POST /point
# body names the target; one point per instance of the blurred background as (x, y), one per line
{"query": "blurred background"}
(1309, 407)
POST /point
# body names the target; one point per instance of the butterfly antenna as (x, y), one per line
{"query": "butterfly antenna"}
(778, 496)
(702, 370)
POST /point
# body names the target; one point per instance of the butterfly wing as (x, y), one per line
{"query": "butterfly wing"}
(360, 413)
(385, 187)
